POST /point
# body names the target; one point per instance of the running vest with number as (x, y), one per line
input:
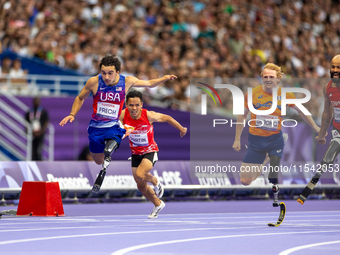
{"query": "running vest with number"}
(333, 94)
(141, 137)
(266, 125)
(108, 103)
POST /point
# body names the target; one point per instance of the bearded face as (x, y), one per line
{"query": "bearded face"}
(335, 71)
(335, 76)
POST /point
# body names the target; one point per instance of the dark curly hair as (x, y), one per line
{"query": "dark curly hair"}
(110, 60)
(132, 94)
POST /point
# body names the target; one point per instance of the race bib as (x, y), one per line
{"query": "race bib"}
(267, 122)
(335, 134)
(337, 115)
(107, 110)
(139, 139)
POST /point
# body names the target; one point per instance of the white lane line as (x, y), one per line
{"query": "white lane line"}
(61, 228)
(49, 221)
(289, 251)
(226, 213)
(153, 224)
(184, 215)
(239, 217)
(142, 246)
(87, 227)
(114, 233)
(62, 220)
(242, 217)
(188, 214)
(4, 227)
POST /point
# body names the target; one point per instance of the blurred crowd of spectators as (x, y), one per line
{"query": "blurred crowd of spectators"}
(12, 76)
(192, 39)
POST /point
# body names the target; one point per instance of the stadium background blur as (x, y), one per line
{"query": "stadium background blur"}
(192, 39)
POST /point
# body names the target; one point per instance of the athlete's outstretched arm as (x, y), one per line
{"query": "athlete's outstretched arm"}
(239, 129)
(131, 81)
(79, 100)
(159, 117)
(327, 116)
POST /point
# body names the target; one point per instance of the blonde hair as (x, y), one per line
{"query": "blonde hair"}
(271, 66)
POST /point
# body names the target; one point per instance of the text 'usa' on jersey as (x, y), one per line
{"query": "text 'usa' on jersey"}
(108, 103)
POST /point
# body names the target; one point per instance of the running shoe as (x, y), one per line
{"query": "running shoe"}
(159, 190)
(156, 210)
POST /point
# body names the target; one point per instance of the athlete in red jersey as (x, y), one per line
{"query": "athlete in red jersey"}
(331, 93)
(141, 134)
(139, 123)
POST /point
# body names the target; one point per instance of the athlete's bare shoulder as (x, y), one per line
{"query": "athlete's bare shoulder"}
(92, 84)
(129, 81)
(93, 81)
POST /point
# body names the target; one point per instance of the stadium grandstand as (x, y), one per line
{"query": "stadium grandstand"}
(50, 49)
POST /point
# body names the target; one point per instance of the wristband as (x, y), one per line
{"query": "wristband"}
(72, 115)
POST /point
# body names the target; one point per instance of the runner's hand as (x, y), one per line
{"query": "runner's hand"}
(237, 146)
(183, 132)
(320, 140)
(171, 77)
(66, 119)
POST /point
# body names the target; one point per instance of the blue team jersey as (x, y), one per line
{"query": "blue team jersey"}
(108, 103)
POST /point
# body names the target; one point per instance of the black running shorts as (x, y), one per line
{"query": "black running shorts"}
(137, 159)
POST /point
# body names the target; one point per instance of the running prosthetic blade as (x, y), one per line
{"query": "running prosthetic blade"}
(309, 188)
(281, 216)
(276, 190)
(99, 181)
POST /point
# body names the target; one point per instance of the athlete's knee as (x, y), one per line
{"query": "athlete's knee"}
(110, 146)
(140, 174)
(273, 176)
(98, 158)
(98, 161)
(246, 181)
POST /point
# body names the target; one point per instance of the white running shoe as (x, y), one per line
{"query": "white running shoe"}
(159, 190)
(156, 210)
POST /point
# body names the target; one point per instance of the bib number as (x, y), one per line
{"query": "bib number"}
(139, 139)
(107, 110)
(337, 115)
(335, 134)
(267, 122)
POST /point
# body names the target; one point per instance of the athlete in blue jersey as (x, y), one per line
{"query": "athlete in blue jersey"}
(105, 130)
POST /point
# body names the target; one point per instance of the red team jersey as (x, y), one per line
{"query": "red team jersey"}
(270, 124)
(142, 137)
(333, 94)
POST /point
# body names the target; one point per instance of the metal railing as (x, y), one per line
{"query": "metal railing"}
(34, 84)
(16, 133)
